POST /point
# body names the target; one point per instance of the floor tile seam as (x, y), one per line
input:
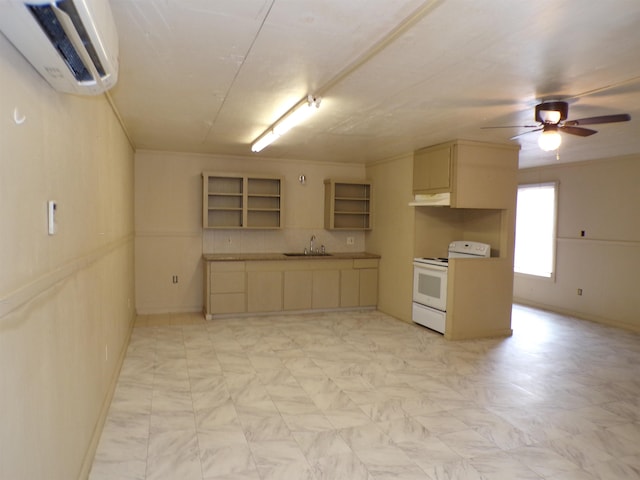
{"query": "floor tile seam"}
(202, 450)
(153, 340)
(317, 459)
(575, 440)
(253, 445)
(514, 457)
(193, 407)
(548, 446)
(359, 452)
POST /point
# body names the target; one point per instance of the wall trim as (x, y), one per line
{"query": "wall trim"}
(600, 241)
(580, 163)
(89, 456)
(168, 310)
(24, 294)
(168, 233)
(607, 322)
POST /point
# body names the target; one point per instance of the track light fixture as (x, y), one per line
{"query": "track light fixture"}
(296, 115)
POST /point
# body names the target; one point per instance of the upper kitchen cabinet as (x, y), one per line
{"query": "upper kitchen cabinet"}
(432, 169)
(240, 201)
(347, 205)
(474, 174)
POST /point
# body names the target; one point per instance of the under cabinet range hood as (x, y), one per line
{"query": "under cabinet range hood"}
(431, 200)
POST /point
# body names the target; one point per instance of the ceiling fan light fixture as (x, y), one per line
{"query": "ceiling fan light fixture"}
(551, 112)
(550, 116)
(549, 139)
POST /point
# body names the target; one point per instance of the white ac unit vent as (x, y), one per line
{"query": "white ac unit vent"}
(73, 44)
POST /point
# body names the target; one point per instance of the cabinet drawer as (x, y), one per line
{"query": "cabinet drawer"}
(227, 282)
(365, 263)
(226, 266)
(227, 303)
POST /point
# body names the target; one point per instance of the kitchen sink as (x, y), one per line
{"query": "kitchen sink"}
(300, 254)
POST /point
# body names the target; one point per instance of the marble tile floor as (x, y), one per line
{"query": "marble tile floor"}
(362, 396)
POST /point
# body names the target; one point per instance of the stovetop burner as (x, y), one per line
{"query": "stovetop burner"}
(433, 260)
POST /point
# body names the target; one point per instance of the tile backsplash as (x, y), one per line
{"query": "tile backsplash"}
(279, 241)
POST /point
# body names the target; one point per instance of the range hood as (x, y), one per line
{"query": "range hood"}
(432, 200)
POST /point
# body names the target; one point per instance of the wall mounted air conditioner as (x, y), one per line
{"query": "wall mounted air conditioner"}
(73, 44)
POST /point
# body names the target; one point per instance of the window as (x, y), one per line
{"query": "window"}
(536, 229)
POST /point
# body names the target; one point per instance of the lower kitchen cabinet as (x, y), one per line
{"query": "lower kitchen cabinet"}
(256, 286)
(368, 288)
(264, 291)
(297, 289)
(349, 288)
(325, 289)
(224, 288)
(359, 287)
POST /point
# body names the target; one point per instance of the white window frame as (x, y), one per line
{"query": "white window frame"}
(554, 237)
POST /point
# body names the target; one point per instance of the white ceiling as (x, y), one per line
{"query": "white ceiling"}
(209, 76)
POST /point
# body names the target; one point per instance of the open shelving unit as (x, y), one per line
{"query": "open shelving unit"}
(347, 205)
(239, 201)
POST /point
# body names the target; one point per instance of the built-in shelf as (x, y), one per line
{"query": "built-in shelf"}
(347, 205)
(239, 201)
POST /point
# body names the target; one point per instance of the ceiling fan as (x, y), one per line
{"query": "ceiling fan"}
(552, 119)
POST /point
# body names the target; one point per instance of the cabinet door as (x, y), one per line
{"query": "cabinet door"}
(432, 170)
(227, 282)
(349, 288)
(227, 303)
(326, 289)
(264, 291)
(297, 290)
(368, 290)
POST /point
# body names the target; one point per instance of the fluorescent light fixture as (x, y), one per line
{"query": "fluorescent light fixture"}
(295, 116)
(550, 138)
(265, 140)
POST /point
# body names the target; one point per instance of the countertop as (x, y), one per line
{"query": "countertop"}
(242, 257)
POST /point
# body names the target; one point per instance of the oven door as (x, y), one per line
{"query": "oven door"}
(430, 285)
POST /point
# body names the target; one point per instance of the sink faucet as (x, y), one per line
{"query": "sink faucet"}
(313, 237)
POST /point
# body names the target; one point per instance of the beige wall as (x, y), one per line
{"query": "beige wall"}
(168, 221)
(392, 235)
(601, 198)
(65, 300)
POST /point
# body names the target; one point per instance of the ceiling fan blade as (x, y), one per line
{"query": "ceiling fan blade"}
(512, 126)
(524, 133)
(621, 117)
(581, 132)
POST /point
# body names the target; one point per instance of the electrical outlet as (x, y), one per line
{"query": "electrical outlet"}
(351, 240)
(579, 291)
(174, 279)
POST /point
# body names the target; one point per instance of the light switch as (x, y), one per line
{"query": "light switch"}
(51, 208)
